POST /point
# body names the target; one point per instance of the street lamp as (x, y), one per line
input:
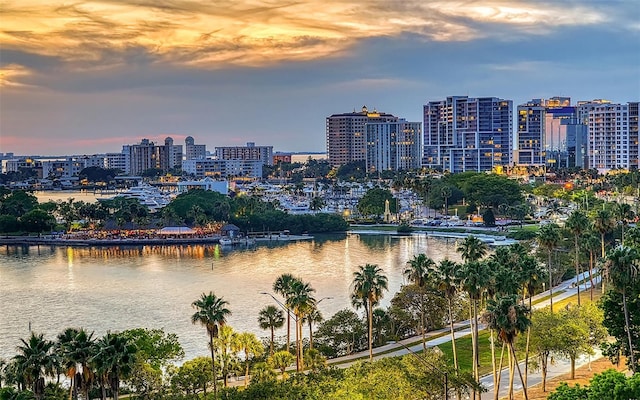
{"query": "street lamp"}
(279, 302)
(324, 298)
(295, 318)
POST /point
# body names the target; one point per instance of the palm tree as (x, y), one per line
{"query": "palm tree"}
(3, 365)
(197, 215)
(531, 275)
(577, 224)
(633, 237)
(381, 324)
(34, 361)
(623, 264)
(271, 317)
(301, 302)
(212, 314)
(114, 359)
(262, 372)
(603, 223)
(317, 203)
(70, 366)
(509, 318)
(623, 213)
(314, 360)
(368, 283)
(472, 249)
(474, 278)
(313, 317)
(282, 286)
(418, 272)
(77, 348)
(249, 344)
(446, 282)
(591, 243)
(226, 343)
(445, 192)
(548, 238)
(281, 360)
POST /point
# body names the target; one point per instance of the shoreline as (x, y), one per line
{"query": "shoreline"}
(49, 241)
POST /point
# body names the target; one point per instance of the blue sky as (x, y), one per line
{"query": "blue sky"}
(87, 77)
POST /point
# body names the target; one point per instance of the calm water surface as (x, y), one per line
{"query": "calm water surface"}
(102, 289)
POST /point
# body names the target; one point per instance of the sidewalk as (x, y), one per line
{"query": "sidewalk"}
(463, 326)
(560, 367)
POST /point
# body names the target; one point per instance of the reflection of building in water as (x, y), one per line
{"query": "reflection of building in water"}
(173, 251)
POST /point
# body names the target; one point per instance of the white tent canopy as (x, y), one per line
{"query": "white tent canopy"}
(176, 230)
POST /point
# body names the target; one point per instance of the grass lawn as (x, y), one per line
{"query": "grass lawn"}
(527, 227)
(584, 298)
(463, 347)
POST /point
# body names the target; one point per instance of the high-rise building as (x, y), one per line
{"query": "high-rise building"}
(194, 151)
(467, 134)
(250, 152)
(529, 144)
(550, 132)
(634, 136)
(613, 134)
(168, 156)
(146, 155)
(394, 146)
(346, 134)
(141, 157)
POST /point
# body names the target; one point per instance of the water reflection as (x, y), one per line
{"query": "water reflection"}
(116, 288)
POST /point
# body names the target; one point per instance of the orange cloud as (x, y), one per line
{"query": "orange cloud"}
(106, 33)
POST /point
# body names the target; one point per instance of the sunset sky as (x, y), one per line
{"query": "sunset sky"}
(85, 77)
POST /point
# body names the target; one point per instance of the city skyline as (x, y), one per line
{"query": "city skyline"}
(89, 77)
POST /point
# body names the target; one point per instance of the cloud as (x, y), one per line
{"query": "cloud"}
(105, 34)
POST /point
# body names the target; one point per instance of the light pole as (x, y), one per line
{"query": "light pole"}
(324, 298)
(311, 320)
(295, 318)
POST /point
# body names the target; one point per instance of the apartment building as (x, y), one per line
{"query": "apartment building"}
(612, 134)
(393, 146)
(146, 155)
(194, 151)
(467, 134)
(550, 133)
(250, 152)
(346, 134)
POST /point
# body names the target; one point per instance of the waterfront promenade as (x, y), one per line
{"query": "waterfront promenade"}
(563, 291)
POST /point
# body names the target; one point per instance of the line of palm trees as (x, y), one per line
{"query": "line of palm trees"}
(589, 234)
(79, 356)
(497, 283)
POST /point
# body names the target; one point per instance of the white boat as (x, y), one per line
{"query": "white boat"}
(225, 241)
(147, 195)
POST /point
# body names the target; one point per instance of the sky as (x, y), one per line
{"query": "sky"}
(86, 77)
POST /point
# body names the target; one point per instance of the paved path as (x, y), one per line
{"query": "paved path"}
(559, 367)
(408, 345)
